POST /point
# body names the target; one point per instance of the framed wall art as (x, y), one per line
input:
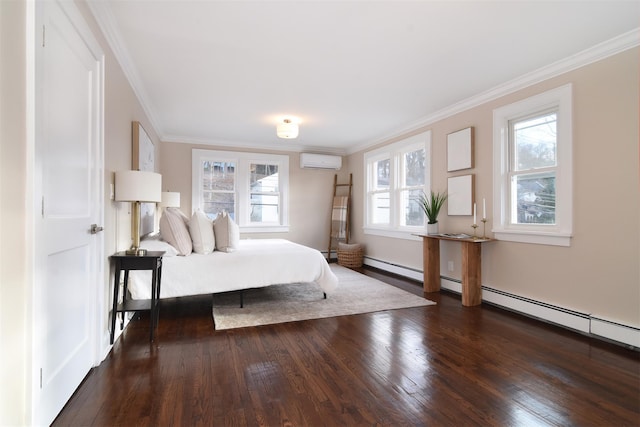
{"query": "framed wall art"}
(460, 194)
(143, 159)
(460, 150)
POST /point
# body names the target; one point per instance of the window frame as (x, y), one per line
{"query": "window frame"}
(243, 161)
(560, 233)
(395, 153)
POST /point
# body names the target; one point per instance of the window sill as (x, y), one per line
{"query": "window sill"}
(536, 238)
(396, 234)
(265, 229)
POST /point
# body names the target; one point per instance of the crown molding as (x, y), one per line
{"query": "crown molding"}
(279, 146)
(588, 56)
(103, 15)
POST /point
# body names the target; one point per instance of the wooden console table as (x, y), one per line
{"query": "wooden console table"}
(471, 266)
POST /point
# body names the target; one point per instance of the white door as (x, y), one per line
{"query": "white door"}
(68, 188)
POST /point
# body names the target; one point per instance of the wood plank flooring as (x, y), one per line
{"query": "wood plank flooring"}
(436, 365)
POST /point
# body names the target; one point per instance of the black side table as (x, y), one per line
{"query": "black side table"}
(152, 260)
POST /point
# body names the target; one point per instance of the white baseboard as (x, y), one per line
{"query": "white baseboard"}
(616, 331)
(553, 314)
(395, 269)
(584, 323)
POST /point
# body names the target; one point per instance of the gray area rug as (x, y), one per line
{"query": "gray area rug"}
(356, 294)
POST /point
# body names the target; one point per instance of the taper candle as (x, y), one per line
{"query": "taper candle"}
(484, 209)
(474, 214)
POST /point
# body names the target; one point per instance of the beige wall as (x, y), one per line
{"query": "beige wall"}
(599, 274)
(310, 195)
(121, 108)
(14, 280)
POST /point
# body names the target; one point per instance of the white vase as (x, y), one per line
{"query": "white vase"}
(432, 228)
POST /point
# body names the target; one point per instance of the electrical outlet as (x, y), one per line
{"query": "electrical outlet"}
(450, 265)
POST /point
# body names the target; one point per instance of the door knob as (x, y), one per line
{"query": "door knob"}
(95, 229)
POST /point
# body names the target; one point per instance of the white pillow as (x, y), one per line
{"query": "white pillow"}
(159, 245)
(227, 233)
(173, 229)
(201, 230)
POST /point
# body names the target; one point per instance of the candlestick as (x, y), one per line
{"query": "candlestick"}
(474, 226)
(484, 228)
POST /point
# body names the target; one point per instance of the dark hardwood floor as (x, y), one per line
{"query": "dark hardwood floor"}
(436, 365)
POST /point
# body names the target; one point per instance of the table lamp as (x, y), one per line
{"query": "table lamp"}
(137, 187)
(170, 199)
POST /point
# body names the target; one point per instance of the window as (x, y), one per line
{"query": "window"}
(251, 188)
(532, 169)
(533, 164)
(395, 177)
(265, 196)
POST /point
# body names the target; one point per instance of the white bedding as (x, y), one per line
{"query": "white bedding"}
(256, 263)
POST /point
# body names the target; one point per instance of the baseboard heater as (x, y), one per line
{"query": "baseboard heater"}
(584, 323)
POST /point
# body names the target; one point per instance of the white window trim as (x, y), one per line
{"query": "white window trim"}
(560, 233)
(243, 160)
(394, 152)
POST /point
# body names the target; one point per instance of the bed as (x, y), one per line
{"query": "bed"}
(254, 263)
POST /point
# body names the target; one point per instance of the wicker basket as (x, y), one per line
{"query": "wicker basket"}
(350, 255)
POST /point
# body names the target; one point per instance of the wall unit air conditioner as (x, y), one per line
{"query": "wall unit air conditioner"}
(320, 161)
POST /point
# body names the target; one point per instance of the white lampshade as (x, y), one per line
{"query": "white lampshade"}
(138, 186)
(170, 199)
(287, 129)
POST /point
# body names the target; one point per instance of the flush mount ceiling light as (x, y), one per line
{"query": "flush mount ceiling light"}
(287, 129)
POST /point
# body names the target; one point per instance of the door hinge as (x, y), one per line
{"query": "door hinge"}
(42, 207)
(43, 35)
(40, 377)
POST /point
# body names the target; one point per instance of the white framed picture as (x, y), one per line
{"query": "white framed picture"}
(460, 195)
(460, 150)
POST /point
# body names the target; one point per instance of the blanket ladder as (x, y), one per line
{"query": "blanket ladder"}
(340, 215)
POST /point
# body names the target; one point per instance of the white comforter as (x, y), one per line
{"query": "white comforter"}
(256, 263)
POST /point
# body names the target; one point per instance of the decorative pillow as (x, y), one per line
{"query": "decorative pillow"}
(159, 245)
(201, 230)
(173, 228)
(227, 233)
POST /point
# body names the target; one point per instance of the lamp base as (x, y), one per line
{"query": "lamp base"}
(136, 251)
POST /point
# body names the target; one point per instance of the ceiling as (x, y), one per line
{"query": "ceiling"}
(352, 72)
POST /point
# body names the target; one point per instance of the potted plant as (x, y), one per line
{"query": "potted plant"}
(431, 206)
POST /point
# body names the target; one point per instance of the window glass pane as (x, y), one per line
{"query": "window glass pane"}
(218, 187)
(380, 208)
(535, 142)
(414, 168)
(382, 170)
(534, 199)
(218, 175)
(413, 214)
(264, 178)
(216, 202)
(264, 208)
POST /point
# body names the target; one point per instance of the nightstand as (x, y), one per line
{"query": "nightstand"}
(152, 260)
